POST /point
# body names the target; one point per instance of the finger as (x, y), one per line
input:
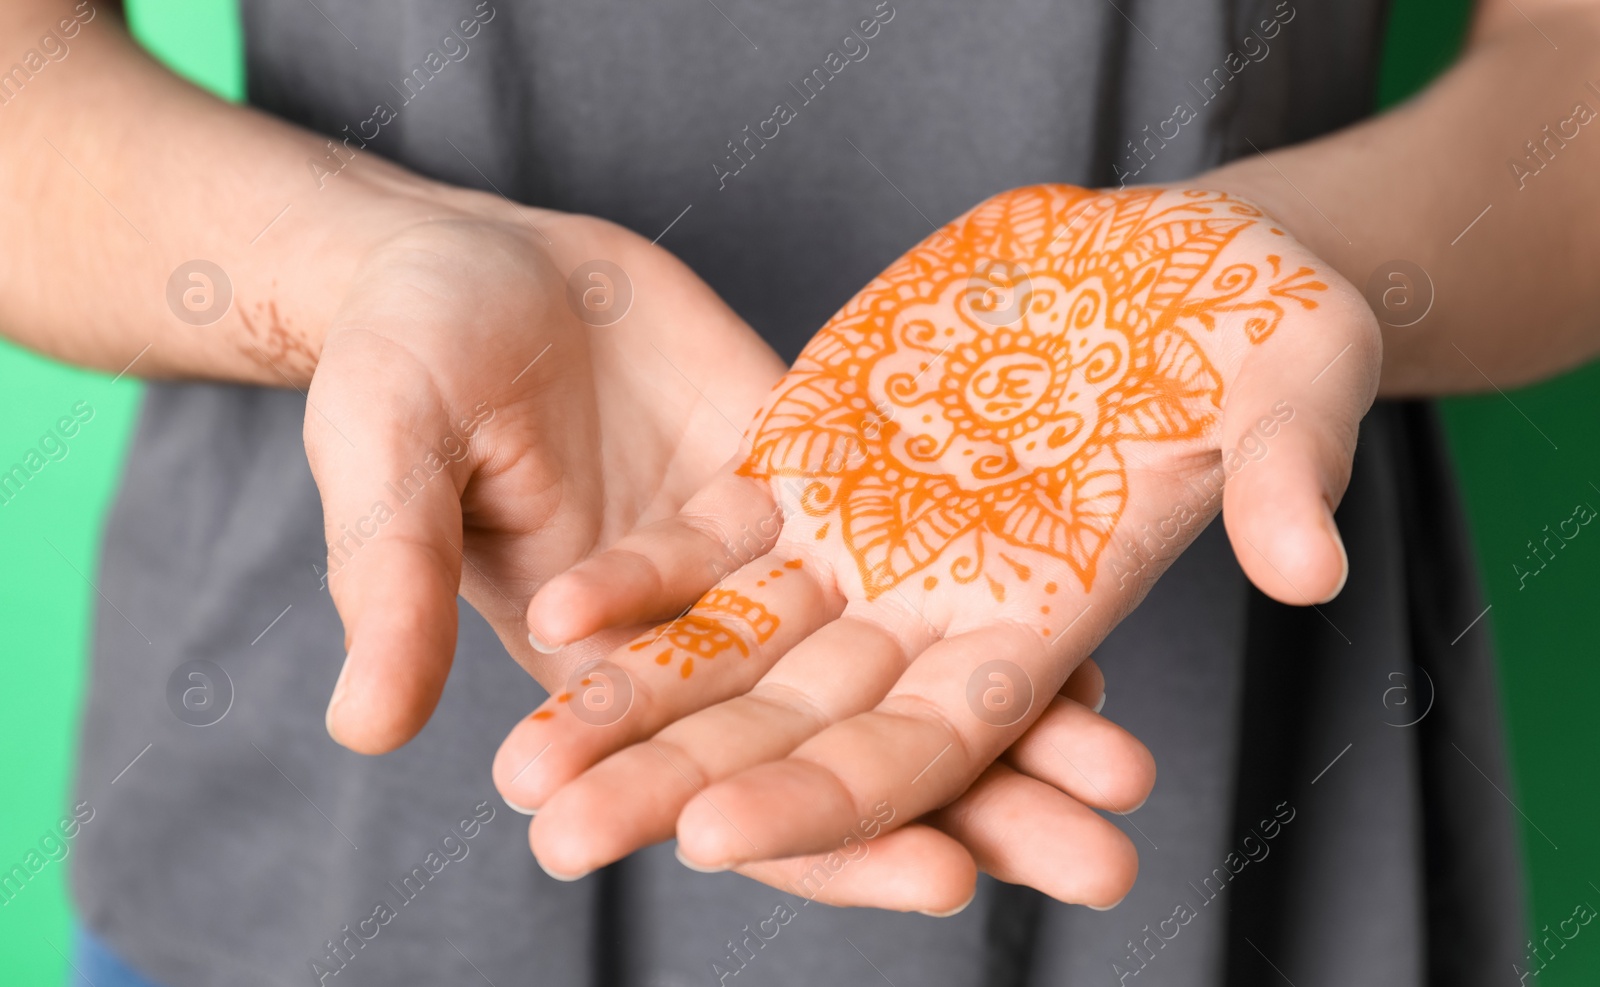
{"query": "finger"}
(915, 868)
(1023, 831)
(632, 798)
(1288, 437)
(659, 570)
(1086, 757)
(393, 528)
(917, 749)
(1086, 685)
(716, 650)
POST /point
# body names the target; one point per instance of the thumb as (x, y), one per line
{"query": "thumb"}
(392, 517)
(1288, 439)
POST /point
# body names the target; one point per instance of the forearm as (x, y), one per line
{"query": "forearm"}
(1515, 297)
(113, 173)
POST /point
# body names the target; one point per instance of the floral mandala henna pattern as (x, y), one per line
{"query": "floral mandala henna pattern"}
(973, 397)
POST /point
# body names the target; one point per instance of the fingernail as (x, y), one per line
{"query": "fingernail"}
(338, 694)
(701, 868)
(1344, 559)
(1102, 703)
(954, 911)
(340, 683)
(517, 808)
(560, 877)
(1108, 907)
(541, 647)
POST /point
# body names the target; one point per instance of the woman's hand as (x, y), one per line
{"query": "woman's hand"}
(973, 472)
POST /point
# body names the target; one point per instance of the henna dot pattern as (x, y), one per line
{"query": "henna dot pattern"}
(1018, 400)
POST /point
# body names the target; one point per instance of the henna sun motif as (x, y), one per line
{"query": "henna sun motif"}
(974, 396)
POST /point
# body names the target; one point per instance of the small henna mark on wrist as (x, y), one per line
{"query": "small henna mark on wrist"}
(272, 346)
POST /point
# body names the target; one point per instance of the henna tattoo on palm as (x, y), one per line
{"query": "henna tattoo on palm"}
(970, 406)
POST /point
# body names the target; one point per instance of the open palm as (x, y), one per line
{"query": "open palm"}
(503, 394)
(970, 475)
(973, 472)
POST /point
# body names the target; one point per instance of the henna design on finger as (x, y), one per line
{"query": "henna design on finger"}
(723, 620)
(707, 630)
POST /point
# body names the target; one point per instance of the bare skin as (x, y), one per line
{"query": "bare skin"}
(152, 173)
(423, 321)
(1407, 185)
(1358, 198)
(991, 453)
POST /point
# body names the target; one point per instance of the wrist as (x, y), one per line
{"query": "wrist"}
(288, 295)
(1260, 182)
(1254, 180)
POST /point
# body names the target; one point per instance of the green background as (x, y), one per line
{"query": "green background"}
(1514, 481)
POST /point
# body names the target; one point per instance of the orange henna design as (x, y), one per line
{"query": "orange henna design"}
(565, 697)
(977, 392)
(272, 346)
(706, 632)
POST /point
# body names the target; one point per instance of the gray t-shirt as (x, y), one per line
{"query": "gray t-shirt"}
(1300, 825)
